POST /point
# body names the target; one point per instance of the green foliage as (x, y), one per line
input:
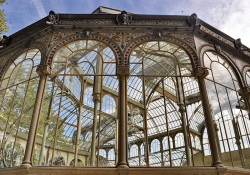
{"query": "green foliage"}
(3, 20)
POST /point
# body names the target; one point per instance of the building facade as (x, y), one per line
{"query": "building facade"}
(114, 92)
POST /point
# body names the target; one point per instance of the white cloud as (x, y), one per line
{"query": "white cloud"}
(236, 21)
(39, 7)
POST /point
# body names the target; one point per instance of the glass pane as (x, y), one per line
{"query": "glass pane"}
(63, 54)
(108, 135)
(160, 63)
(77, 45)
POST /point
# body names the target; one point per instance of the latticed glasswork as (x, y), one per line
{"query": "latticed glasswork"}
(166, 94)
(229, 109)
(17, 101)
(78, 120)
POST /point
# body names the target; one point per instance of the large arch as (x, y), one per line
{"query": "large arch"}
(229, 108)
(17, 99)
(138, 41)
(58, 45)
(14, 56)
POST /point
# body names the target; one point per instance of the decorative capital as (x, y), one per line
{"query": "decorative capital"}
(193, 20)
(43, 69)
(122, 70)
(96, 97)
(182, 108)
(4, 42)
(217, 48)
(124, 18)
(246, 91)
(201, 72)
(53, 18)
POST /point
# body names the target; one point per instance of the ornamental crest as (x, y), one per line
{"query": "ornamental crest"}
(193, 20)
(124, 18)
(4, 42)
(52, 18)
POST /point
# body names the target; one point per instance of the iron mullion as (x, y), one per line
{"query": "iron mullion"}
(223, 122)
(235, 126)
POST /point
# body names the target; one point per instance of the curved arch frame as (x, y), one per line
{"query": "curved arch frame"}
(58, 45)
(207, 48)
(147, 38)
(12, 58)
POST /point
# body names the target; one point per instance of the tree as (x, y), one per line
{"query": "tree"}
(3, 21)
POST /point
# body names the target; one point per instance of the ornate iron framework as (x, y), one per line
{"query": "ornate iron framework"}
(125, 98)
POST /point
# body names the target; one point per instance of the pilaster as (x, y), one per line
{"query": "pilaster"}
(42, 71)
(201, 73)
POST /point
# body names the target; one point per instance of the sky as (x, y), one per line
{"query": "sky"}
(229, 16)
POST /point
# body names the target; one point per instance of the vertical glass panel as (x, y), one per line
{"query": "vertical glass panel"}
(136, 138)
(7, 136)
(221, 75)
(248, 78)
(108, 130)
(48, 122)
(134, 89)
(207, 158)
(136, 127)
(195, 118)
(207, 61)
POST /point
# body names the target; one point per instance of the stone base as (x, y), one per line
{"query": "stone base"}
(39, 170)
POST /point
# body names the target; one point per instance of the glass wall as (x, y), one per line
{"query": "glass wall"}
(165, 108)
(78, 121)
(229, 110)
(77, 125)
(17, 97)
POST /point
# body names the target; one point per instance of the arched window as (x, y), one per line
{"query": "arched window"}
(166, 144)
(77, 116)
(134, 151)
(155, 146)
(103, 157)
(162, 82)
(17, 98)
(229, 108)
(179, 140)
